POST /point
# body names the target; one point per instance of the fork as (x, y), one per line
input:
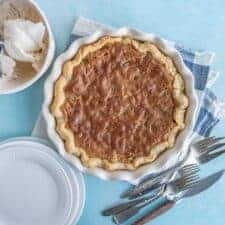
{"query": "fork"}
(203, 153)
(207, 149)
(174, 187)
(207, 145)
(209, 156)
(150, 185)
(185, 172)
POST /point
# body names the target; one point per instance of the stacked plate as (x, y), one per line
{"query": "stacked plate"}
(37, 186)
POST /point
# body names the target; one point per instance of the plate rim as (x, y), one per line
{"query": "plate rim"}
(68, 170)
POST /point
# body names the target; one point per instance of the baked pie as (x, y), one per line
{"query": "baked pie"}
(119, 103)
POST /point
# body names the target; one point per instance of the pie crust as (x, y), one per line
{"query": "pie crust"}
(117, 159)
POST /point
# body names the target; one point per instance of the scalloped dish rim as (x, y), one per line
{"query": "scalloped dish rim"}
(164, 161)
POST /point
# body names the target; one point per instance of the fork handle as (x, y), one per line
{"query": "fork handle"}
(121, 207)
(155, 213)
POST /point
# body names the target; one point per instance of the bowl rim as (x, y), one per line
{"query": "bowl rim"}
(48, 58)
(169, 158)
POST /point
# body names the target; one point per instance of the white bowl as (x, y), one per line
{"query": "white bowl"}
(21, 83)
(167, 159)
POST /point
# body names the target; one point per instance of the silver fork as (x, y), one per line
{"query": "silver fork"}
(150, 185)
(210, 156)
(174, 187)
(207, 149)
(203, 151)
(186, 172)
(207, 145)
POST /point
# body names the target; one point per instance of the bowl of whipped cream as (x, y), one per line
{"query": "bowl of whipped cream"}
(27, 45)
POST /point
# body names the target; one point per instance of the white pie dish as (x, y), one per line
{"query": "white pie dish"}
(167, 159)
(25, 7)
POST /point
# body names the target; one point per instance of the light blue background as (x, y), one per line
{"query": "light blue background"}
(196, 24)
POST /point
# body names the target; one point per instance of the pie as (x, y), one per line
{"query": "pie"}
(119, 103)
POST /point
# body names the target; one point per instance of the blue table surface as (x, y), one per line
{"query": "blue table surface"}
(194, 23)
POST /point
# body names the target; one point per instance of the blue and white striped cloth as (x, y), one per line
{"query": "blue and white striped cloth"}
(211, 110)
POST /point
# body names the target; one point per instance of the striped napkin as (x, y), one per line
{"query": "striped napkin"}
(211, 111)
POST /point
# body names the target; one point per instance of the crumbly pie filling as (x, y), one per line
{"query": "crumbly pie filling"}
(119, 103)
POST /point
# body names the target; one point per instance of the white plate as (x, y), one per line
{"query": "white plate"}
(37, 186)
(168, 158)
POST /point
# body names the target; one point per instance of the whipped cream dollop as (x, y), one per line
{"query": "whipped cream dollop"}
(7, 66)
(23, 41)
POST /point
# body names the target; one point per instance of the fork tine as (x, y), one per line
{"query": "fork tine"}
(195, 171)
(185, 182)
(185, 179)
(190, 176)
(207, 144)
(215, 140)
(189, 183)
(190, 179)
(216, 154)
(204, 141)
(191, 169)
(189, 165)
(219, 138)
(214, 147)
(206, 158)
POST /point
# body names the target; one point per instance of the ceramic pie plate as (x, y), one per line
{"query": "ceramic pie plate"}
(37, 186)
(168, 158)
